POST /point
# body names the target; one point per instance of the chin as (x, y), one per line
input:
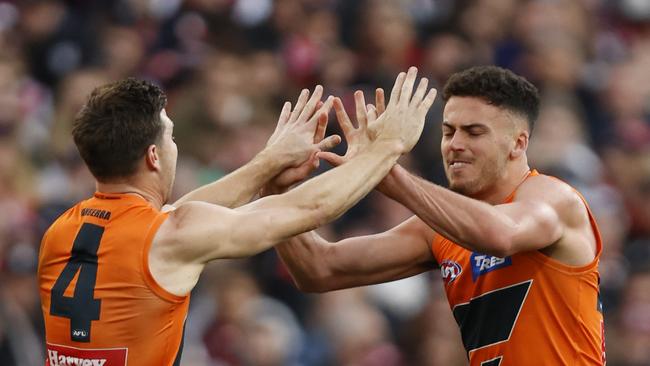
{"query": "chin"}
(464, 188)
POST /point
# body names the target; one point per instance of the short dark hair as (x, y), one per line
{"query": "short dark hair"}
(497, 86)
(116, 125)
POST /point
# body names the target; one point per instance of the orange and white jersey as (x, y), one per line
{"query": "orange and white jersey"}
(100, 302)
(526, 309)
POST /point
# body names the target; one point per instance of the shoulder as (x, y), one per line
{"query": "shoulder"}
(184, 228)
(559, 195)
(193, 212)
(194, 220)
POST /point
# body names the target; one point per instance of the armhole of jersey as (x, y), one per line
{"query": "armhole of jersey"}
(599, 245)
(592, 219)
(594, 227)
(436, 244)
(148, 277)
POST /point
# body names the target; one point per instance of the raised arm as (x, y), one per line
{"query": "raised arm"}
(317, 265)
(196, 232)
(298, 136)
(545, 213)
(215, 232)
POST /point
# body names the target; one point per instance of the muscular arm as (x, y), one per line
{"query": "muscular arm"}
(317, 265)
(238, 187)
(216, 232)
(298, 136)
(196, 232)
(535, 220)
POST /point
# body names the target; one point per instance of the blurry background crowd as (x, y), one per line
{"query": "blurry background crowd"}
(227, 66)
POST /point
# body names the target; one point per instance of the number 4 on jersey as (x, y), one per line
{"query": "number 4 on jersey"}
(81, 308)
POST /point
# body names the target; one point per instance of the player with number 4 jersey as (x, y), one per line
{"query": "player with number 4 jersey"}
(107, 271)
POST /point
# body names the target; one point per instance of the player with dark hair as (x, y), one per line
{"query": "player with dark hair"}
(115, 271)
(518, 250)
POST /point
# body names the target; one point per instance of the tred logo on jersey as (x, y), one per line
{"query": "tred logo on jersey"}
(483, 263)
(58, 355)
(450, 270)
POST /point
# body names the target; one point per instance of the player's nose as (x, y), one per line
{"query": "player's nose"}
(457, 142)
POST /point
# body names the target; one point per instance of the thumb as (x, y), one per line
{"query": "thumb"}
(329, 142)
(332, 158)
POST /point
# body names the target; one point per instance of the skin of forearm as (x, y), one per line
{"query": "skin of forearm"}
(298, 254)
(334, 192)
(473, 224)
(325, 197)
(240, 186)
(333, 198)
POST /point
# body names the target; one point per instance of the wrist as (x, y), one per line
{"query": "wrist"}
(273, 159)
(386, 184)
(391, 147)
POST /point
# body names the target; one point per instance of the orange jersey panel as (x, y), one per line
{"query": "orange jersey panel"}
(99, 300)
(526, 309)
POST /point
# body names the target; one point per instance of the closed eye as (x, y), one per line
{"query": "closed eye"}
(475, 129)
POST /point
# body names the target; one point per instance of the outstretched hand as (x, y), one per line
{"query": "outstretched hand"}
(300, 133)
(402, 120)
(357, 137)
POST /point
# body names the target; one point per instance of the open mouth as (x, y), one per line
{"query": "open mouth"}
(458, 163)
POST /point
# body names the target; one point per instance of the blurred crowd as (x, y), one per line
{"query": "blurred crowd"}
(228, 65)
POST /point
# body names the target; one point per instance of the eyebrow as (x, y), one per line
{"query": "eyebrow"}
(465, 127)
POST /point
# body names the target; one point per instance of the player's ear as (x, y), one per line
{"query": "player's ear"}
(151, 157)
(521, 144)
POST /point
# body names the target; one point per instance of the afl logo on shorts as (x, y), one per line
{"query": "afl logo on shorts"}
(450, 270)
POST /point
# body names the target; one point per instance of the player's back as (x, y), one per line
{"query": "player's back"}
(99, 300)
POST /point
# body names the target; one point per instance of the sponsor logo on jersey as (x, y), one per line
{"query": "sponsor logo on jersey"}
(79, 333)
(450, 270)
(59, 355)
(483, 263)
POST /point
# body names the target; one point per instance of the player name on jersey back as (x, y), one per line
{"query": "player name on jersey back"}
(58, 355)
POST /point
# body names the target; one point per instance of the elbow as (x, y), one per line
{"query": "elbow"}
(500, 251)
(498, 244)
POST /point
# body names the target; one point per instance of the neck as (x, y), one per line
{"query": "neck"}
(153, 196)
(508, 183)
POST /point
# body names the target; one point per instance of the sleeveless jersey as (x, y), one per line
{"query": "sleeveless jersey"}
(100, 302)
(525, 309)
